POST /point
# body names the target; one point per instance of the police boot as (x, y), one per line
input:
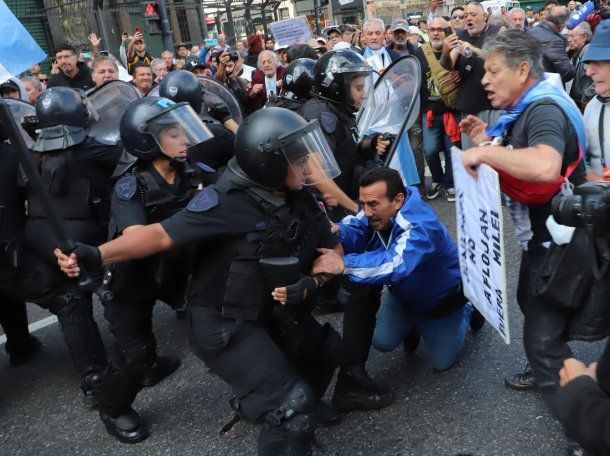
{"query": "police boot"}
(289, 429)
(356, 390)
(22, 353)
(326, 414)
(126, 428)
(92, 387)
(162, 367)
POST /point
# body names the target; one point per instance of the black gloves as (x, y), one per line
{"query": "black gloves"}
(88, 257)
(295, 292)
(220, 112)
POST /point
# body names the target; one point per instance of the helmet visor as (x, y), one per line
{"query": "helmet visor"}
(309, 154)
(177, 129)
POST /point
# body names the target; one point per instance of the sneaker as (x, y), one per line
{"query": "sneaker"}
(522, 381)
(433, 191)
(450, 194)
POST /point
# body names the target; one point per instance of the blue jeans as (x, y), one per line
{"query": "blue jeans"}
(435, 141)
(443, 337)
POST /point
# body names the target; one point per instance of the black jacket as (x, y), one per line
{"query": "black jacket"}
(554, 55)
(583, 407)
(583, 88)
(82, 80)
(394, 55)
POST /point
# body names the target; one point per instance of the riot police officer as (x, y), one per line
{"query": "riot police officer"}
(20, 344)
(342, 82)
(76, 169)
(160, 183)
(297, 82)
(258, 209)
(182, 86)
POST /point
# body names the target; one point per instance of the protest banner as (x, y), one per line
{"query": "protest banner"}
(288, 31)
(480, 241)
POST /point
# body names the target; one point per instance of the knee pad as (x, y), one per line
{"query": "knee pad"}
(295, 413)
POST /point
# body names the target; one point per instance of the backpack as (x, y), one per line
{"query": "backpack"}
(448, 89)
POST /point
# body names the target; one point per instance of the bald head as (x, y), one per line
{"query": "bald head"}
(436, 31)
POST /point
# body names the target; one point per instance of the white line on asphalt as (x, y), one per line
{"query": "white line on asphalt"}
(35, 326)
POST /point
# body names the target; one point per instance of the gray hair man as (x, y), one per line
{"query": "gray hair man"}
(159, 68)
(516, 19)
(546, 137)
(374, 52)
(548, 34)
(104, 69)
(33, 88)
(581, 88)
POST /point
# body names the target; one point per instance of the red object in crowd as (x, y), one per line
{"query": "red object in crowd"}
(255, 43)
(593, 20)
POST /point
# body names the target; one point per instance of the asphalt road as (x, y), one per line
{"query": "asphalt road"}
(466, 410)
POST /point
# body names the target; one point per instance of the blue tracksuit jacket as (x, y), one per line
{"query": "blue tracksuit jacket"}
(419, 262)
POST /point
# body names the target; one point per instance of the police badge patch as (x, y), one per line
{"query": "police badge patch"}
(126, 187)
(205, 200)
(328, 121)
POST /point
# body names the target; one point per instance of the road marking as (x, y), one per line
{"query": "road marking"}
(35, 326)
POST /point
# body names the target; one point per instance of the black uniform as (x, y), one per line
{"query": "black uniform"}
(78, 179)
(217, 151)
(232, 325)
(285, 102)
(142, 196)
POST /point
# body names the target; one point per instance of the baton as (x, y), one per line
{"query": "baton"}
(64, 242)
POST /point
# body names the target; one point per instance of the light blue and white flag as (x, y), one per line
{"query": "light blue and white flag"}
(18, 50)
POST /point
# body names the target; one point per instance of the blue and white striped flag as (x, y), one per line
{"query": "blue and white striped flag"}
(18, 50)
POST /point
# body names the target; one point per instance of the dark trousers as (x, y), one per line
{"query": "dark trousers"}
(359, 320)
(14, 322)
(543, 329)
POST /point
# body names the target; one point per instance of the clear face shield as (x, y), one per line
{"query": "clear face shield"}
(358, 88)
(177, 129)
(309, 154)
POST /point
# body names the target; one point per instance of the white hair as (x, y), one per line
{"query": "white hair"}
(373, 21)
(275, 59)
(35, 82)
(156, 62)
(515, 10)
(584, 28)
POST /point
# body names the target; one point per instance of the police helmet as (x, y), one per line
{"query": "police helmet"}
(297, 81)
(182, 86)
(272, 139)
(62, 106)
(155, 126)
(334, 73)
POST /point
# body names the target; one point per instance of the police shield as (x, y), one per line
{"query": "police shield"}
(394, 105)
(214, 93)
(24, 115)
(108, 103)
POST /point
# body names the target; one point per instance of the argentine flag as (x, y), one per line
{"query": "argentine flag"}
(18, 50)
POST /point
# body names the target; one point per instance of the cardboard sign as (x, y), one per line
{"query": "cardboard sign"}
(288, 31)
(480, 241)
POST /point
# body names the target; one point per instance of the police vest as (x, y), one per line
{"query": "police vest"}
(235, 262)
(73, 194)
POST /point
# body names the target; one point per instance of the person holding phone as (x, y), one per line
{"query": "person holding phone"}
(136, 51)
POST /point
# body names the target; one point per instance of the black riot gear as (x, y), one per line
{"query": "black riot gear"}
(181, 86)
(63, 116)
(334, 72)
(147, 120)
(272, 139)
(298, 78)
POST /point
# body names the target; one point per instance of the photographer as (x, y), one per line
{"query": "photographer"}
(230, 66)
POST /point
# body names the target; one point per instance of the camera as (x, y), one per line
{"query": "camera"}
(233, 56)
(589, 207)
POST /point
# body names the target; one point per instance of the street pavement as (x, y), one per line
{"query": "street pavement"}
(465, 410)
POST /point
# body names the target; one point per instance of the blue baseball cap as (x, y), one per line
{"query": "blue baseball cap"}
(598, 49)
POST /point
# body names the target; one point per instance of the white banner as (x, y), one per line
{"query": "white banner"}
(480, 241)
(288, 31)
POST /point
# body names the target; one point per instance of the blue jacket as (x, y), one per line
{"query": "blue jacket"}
(419, 262)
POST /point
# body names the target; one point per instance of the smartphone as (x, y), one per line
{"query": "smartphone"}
(448, 31)
(139, 30)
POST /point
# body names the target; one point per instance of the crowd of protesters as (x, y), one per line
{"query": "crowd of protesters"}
(476, 65)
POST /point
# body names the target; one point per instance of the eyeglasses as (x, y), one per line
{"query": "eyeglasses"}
(457, 16)
(43, 80)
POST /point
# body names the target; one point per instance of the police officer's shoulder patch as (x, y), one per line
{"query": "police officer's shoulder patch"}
(126, 187)
(328, 121)
(204, 200)
(206, 168)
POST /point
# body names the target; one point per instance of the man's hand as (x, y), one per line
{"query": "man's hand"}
(94, 40)
(381, 145)
(256, 89)
(450, 42)
(475, 128)
(329, 262)
(330, 200)
(220, 112)
(88, 256)
(573, 368)
(455, 76)
(471, 159)
(466, 45)
(295, 294)
(138, 36)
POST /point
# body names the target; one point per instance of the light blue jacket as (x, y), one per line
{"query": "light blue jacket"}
(419, 262)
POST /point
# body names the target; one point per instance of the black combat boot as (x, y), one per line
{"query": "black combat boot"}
(127, 428)
(92, 387)
(21, 354)
(356, 390)
(162, 367)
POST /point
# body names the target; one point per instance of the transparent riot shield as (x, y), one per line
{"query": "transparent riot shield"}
(394, 106)
(108, 103)
(25, 118)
